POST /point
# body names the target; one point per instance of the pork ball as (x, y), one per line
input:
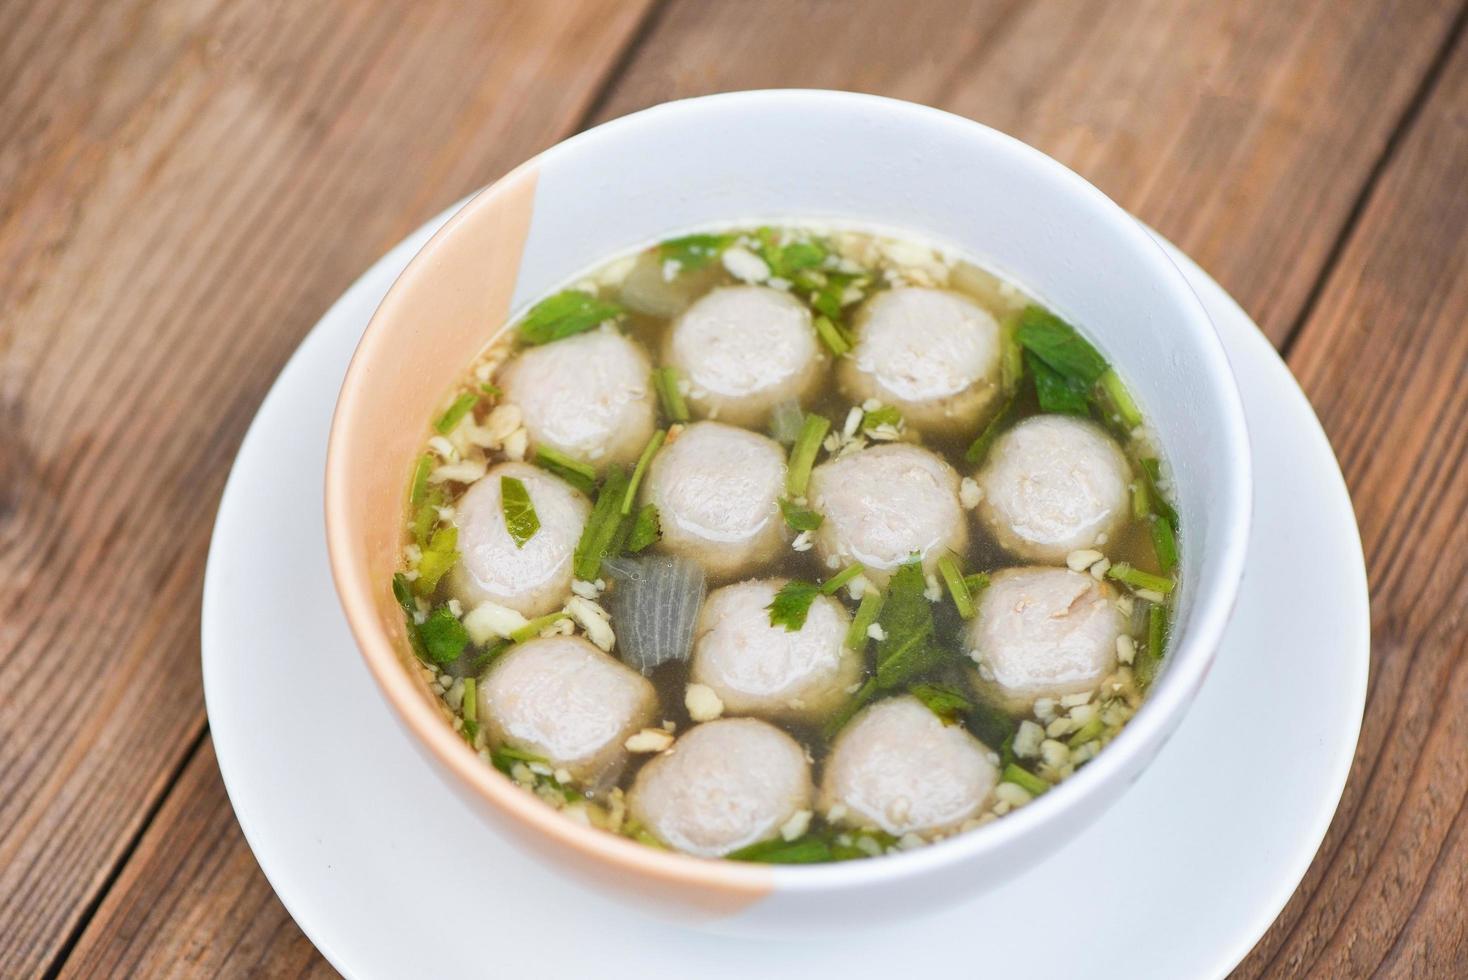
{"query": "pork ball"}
(564, 700)
(722, 786)
(717, 491)
(1054, 484)
(589, 396)
(883, 504)
(759, 669)
(931, 353)
(897, 767)
(1043, 632)
(743, 350)
(534, 579)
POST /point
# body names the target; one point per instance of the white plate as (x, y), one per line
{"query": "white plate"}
(391, 875)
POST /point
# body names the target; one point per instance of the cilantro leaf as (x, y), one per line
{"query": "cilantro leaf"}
(906, 648)
(564, 315)
(693, 251)
(444, 637)
(942, 700)
(791, 604)
(1056, 393)
(1059, 346)
(800, 518)
(599, 536)
(520, 517)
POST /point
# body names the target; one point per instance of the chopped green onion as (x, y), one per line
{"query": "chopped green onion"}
(520, 517)
(443, 635)
(494, 391)
(487, 657)
(832, 335)
(1164, 543)
(838, 721)
(1088, 732)
(461, 406)
(802, 850)
(1121, 399)
(1138, 579)
(979, 448)
(1141, 499)
(1054, 391)
(800, 518)
(866, 614)
(665, 380)
(1011, 357)
(1024, 779)
(976, 583)
(945, 702)
(992, 725)
(803, 454)
(792, 604)
(882, 415)
(419, 486)
(957, 587)
(646, 528)
(1152, 472)
(846, 574)
(403, 592)
(580, 475)
(469, 709)
(1057, 345)
(440, 555)
(601, 527)
(532, 629)
(653, 445)
(504, 758)
(564, 315)
(693, 251)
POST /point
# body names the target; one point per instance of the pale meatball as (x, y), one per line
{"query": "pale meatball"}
(534, 579)
(1043, 632)
(562, 699)
(884, 504)
(589, 396)
(717, 491)
(898, 768)
(932, 354)
(743, 350)
(759, 669)
(1054, 484)
(722, 786)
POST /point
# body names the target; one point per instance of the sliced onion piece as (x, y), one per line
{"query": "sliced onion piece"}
(654, 604)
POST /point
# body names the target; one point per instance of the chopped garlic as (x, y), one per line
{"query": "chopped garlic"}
(1082, 559)
(744, 265)
(796, 826)
(1027, 740)
(489, 620)
(648, 740)
(703, 702)
(594, 620)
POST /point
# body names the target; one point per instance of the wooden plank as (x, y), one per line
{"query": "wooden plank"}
(185, 186)
(1243, 131)
(1384, 358)
(192, 902)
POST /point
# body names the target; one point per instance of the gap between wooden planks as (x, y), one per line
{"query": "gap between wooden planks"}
(1211, 124)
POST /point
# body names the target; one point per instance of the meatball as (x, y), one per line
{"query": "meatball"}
(1054, 484)
(897, 767)
(534, 579)
(589, 396)
(1043, 632)
(933, 354)
(564, 700)
(759, 669)
(717, 491)
(883, 504)
(743, 350)
(722, 786)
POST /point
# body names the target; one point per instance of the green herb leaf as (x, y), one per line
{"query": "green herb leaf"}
(791, 604)
(799, 518)
(520, 517)
(992, 725)
(600, 532)
(1024, 779)
(444, 636)
(1059, 346)
(565, 315)
(469, 709)
(449, 420)
(493, 391)
(942, 700)
(883, 415)
(665, 381)
(809, 849)
(848, 710)
(976, 583)
(957, 586)
(440, 555)
(787, 260)
(1138, 579)
(906, 648)
(803, 454)
(646, 529)
(979, 448)
(425, 517)
(832, 335)
(629, 497)
(1088, 732)
(580, 475)
(693, 251)
(402, 590)
(1122, 404)
(1054, 392)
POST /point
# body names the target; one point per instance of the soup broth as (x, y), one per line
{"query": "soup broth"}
(789, 545)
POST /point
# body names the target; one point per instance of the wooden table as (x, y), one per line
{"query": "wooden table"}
(185, 185)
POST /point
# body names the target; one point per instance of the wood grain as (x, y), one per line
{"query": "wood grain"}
(1243, 131)
(184, 187)
(1384, 359)
(174, 179)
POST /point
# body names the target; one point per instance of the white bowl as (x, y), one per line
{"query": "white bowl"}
(765, 157)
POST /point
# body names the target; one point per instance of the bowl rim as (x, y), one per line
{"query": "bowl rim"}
(1189, 659)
